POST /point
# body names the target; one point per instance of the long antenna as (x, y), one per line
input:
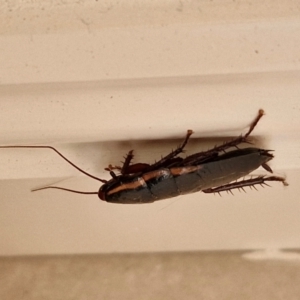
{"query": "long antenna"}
(64, 189)
(50, 147)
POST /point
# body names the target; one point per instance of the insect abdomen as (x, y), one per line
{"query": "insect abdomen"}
(228, 167)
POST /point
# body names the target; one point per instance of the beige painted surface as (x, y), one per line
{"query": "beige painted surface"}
(147, 276)
(97, 79)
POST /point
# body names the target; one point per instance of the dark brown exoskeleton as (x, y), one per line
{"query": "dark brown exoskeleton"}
(211, 171)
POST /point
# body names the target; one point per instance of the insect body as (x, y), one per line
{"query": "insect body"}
(210, 171)
(211, 176)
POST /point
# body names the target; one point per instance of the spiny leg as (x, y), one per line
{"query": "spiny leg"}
(202, 156)
(127, 169)
(261, 180)
(173, 153)
(125, 166)
(241, 138)
(127, 161)
(134, 168)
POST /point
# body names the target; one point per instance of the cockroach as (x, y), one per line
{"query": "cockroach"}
(212, 171)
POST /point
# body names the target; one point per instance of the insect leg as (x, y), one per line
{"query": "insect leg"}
(241, 138)
(127, 169)
(173, 153)
(127, 161)
(243, 183)
(126, 164)
(111, 168)
(202, 156)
